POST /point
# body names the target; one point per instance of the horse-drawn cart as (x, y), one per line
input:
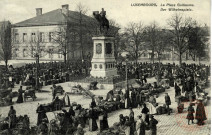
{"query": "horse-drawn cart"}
(29, 93)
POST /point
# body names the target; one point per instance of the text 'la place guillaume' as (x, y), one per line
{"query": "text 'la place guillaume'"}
(178, 4)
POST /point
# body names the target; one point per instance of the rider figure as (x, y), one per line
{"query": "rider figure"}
(103, 13)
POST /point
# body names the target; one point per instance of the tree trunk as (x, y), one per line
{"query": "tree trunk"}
(6, 64)
(199, 60)
(64, 54)
(153, 55)
(180, 59)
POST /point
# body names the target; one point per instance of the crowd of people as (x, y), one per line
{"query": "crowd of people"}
(185, 79)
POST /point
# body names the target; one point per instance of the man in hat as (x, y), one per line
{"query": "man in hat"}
(200, 112)
(168, 102)
(153, 125)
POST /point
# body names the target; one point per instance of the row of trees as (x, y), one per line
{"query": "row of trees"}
(182, 35)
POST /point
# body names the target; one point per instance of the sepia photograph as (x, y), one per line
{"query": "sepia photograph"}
(105, 67)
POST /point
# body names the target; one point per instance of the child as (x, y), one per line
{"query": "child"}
(190, 115)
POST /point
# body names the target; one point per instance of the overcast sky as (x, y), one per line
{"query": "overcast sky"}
(119, 10)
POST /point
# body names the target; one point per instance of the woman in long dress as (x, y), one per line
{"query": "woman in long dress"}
(200, 113)
(145, 114)
(92, 121)
(66, 100)
(140, 126)
(20, 95)
(41, 115)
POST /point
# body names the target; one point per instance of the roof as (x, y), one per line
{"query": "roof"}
(55, 17)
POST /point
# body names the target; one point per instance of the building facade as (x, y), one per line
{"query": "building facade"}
(47, 35)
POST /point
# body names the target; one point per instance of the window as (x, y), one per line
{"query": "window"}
(24, 37)
(33, 37)
(60, 54)
(16, 37)
(41, 37)
(50, 53)
(50, 36)
(41, 52)
(24, 53)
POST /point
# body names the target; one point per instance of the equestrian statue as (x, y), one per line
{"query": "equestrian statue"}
(103, 21)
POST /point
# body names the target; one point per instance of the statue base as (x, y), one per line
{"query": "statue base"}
(103, 61)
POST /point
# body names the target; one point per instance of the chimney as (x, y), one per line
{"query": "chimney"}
(38, 11)
(65, 9)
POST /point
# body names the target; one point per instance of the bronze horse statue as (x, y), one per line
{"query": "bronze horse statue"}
(103, 21)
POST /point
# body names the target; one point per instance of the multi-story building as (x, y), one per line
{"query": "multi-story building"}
(37, 35)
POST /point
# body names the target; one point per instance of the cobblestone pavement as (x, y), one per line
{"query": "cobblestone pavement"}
(174, 124)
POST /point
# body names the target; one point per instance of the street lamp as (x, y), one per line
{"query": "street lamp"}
(37, 70)
(126, 56)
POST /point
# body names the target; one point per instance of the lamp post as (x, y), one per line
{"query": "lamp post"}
(37, 70)
(126, 60)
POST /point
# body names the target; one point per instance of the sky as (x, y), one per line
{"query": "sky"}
(121, 11)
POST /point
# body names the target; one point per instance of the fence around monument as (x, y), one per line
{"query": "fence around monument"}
(108, 80)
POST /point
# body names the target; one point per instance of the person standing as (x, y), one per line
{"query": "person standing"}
(190, 115)
(145, 112)
(129, 127)
(140, 126)
(200, 113)
(12, 117)
(103, 122)
(153, 125)
(133, 99)
(66, 100)
(127, 99)
(20, 95)
(43, 128)
(53, 91)
(41, 115)
(92, 121)
(177, 90)
(168, 102)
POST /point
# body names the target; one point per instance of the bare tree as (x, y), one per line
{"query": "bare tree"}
(82, 9)
(36, 48)
(151, 38)
(60, 36)
(162, 43)
(132, 40)
(5, 40)
(180, 29)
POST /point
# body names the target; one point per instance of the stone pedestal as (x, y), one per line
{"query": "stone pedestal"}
(103, 61)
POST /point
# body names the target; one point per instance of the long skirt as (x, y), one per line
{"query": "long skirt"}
(20, 98)
(92, 125)
(127, 103)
